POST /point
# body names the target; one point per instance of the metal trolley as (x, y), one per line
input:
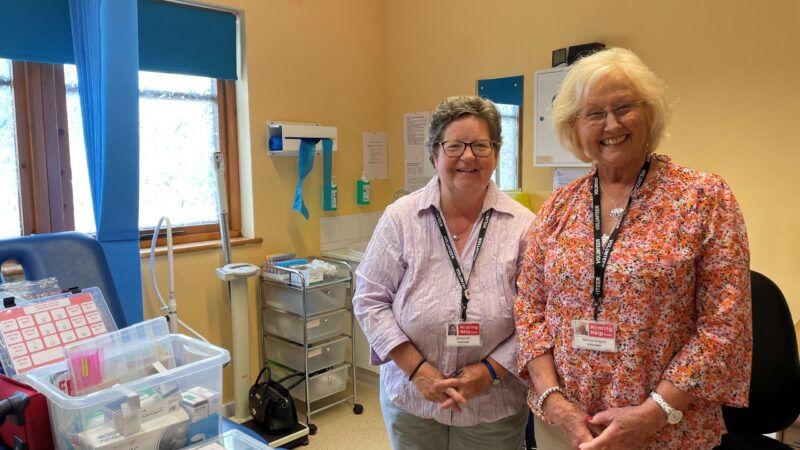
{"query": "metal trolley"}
(303, 330)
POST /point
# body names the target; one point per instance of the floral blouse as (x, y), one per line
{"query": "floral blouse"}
(677, 285)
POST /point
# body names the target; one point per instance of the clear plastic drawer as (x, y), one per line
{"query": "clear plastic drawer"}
(320, 385)
(318, 300)
(290, 326)
(320, 356)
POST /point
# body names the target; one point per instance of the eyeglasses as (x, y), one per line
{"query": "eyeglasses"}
(621, 111)
(455, 149)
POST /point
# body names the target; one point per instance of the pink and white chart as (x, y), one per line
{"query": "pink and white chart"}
(35, 334)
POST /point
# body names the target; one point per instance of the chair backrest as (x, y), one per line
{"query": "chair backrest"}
(775, 378)
(75, 259)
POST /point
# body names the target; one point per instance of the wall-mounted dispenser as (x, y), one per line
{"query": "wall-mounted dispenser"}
(283, 138)
(362, 190)
(330, 196)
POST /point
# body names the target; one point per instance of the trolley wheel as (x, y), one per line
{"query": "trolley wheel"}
(312, 429)
(358, 409)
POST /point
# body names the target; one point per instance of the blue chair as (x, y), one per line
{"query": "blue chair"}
(75, 259)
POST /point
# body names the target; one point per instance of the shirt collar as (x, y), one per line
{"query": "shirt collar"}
(494, 199)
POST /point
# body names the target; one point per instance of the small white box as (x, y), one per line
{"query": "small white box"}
(167, 432)
(310, 275)
(200, 402)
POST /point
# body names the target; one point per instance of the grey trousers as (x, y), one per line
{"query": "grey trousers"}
(409, 432)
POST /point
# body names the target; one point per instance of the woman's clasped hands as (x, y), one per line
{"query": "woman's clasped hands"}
(613, 429)
(453, 391)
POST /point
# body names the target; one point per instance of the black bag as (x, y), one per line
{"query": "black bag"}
(271, 404)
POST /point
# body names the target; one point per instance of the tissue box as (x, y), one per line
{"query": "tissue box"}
(311, 275)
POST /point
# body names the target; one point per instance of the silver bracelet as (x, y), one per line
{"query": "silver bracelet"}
(546, 394)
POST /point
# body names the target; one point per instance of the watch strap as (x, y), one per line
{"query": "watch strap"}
(673, 415)
(492, 373)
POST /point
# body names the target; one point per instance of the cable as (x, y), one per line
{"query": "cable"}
(171, 307)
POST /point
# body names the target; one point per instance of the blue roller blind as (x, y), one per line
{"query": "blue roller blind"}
(172, 37)
(507, 91)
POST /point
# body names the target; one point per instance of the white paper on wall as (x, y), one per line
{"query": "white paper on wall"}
(375, 155)
(418, 168)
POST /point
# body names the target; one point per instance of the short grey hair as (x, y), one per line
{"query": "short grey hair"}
(456, 107)
(602, 65)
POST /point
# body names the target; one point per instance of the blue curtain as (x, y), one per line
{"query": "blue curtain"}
(173, 38)
(105, 43)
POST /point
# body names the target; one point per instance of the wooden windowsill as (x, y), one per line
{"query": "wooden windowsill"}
(200, 246)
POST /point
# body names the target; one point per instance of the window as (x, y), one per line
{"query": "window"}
(507, 94)
(10, 220)
(507, 175)
(183, 120)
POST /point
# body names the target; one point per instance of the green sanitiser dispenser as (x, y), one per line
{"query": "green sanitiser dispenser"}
(362, 190)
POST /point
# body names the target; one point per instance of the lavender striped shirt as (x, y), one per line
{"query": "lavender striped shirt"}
(407, 291)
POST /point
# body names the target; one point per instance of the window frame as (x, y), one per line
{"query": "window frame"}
(46, 203)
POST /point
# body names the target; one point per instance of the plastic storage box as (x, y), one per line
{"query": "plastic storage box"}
(232, 440)
(177, 405)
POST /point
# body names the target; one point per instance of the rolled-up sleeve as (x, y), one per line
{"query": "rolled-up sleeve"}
(377, 279)
(715, 363)
(533, 338)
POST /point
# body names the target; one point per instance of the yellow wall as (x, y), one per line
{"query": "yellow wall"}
(731, 65)
(362, 64)
(307, 61)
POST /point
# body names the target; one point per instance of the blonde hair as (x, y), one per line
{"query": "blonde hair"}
(605, 64)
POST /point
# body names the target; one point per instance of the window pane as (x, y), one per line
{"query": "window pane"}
(509, 153)
(177, 136)
(184, 84)
(81, 190)
(10, 220)
(5, 70)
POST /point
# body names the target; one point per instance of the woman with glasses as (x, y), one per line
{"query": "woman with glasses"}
(633, 312)
(436, 292)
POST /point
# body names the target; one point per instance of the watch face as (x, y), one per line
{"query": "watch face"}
(674, 417)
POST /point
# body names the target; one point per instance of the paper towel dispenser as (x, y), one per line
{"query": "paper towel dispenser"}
(283, 138)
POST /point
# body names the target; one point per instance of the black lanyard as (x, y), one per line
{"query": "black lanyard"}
(601, 256)
(452, 255)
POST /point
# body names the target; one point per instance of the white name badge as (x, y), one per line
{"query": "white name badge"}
(592, 335)
(463, 334)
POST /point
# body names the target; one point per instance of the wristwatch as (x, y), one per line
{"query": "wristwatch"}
(492, 373)
(673, 415)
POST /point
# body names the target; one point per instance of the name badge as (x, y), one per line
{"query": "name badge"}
(593, 335)
(463, 334)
